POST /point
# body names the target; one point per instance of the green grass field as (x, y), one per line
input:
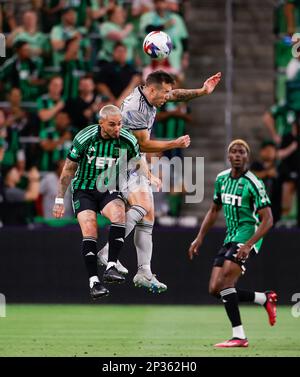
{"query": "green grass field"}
(107, 330)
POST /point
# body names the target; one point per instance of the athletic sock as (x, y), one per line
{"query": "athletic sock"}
(260, 298)
(89, 252)
(230, 300)
(250, 296)
(93, 279)
(116, 241)
(245, 296)
(110, 264)
(143, 244)
(133, 216)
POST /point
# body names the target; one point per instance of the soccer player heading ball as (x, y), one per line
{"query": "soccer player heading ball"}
(248, 218)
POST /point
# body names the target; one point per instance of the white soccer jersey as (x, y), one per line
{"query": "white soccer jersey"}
(137, 112)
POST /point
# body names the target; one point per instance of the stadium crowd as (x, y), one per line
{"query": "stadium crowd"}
(65, 60)
(278, 164)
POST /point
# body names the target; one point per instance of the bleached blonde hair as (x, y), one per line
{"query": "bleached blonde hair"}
(241, 142)
(108, 110)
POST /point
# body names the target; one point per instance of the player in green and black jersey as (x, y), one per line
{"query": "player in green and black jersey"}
(248, 218)
(95, 151)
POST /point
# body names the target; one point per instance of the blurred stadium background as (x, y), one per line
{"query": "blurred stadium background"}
(67, 58)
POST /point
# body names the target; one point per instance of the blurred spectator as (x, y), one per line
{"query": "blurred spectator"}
(13, 154)
(25, 124)
(65, 31)
(279, 120)
(118, 79)
(84, 109)
(48, 190)
(293, 84)
(173, 5)
(288, 169)
(171, 122)
(156, 65)
(173, 24)
(291, 11)
(2, 135)
(266, 169)
(15, 10)
(23, 71)
(55, 142)
(99, 9)
(28, 32)
(73, 69)
(15, 208)
(50, 104)
(140, 7)
(116, 30)
(159, 167)
(51, 13)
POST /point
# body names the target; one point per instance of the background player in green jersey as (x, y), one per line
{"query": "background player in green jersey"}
(248, 218)
(94, 151)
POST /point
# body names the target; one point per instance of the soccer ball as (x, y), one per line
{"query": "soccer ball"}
(157, 45)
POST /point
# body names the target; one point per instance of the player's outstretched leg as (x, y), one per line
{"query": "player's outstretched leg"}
(133, 216)
(143, 243)
(266, 299)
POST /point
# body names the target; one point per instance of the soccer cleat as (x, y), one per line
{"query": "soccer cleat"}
(152, 284)
(270, 306)
(98, 291)
(112, 275)
(102, 257)
(234, 342)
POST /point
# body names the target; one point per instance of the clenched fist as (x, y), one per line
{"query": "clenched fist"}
(183, 141)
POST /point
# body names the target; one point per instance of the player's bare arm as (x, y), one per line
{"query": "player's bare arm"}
(67, 175)
(208, 222)
(266, 224)
(148, 145)
(179, 95)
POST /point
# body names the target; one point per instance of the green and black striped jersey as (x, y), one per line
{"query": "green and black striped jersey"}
(72, 71)
(46, 102)
(96, 155)
(240, 198)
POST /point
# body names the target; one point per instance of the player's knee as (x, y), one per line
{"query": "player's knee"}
(214, 290)
(118, 216)
(149, 216)
(90, 230)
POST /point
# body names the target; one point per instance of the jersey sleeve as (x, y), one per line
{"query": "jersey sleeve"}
(134, 120)
(134, 150)
(77, 149)
(260, 196)
(217, 193)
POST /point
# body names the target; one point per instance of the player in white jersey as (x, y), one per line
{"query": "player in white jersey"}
(138, 114)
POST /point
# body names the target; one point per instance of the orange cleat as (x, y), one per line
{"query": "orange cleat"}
(234, 342)
(270, 306)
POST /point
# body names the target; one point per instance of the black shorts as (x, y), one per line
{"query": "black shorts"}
(228, 252)
(92, 200)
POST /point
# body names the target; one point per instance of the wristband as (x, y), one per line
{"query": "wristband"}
(59, 200)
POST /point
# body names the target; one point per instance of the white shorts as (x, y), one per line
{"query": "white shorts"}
(136, 183)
